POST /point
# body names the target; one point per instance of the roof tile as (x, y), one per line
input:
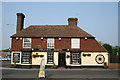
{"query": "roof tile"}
(52, 31)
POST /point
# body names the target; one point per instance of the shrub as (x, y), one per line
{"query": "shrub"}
(14, 66)
(54, 66)
(105, 65)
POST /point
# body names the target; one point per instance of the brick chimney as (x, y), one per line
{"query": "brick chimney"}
(20, 22)
(72, 21)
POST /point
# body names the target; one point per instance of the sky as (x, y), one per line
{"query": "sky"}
(100, 19)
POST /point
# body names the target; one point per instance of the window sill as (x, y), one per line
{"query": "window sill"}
(26, 47)
(75, 63)
(75, 48)
(49, 48)
(50, 63)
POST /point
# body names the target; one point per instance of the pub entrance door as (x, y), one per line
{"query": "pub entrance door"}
(61, 60)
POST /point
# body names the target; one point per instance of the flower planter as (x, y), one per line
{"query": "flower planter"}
(88, 54)
(84, 55)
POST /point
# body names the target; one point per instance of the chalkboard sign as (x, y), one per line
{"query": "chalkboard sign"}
(16, 57)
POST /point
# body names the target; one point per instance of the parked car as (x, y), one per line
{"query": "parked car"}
(0, 58)
(8, 59)
(3, 59)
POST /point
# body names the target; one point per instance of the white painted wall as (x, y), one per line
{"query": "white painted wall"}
(85, 61)
(37, 60)
(90, 60)
(56, 58)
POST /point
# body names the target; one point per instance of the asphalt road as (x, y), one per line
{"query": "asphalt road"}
(67, 74)
(64, 73)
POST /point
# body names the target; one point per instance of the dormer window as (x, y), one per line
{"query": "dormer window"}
(50, 42)
(26, 42)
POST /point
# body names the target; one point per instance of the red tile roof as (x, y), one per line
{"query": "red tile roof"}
(52, 31)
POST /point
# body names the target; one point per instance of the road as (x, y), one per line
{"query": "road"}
(79, 74)
(57, 73)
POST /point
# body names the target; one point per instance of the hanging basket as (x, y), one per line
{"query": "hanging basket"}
(88, 54)
(35, 55)
(41, 55)
(84, 55)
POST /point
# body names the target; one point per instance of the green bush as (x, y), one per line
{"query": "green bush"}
(54, 66)
(105, 65)
(15, 65)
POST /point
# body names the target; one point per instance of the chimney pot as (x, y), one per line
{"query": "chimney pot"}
(72, 21)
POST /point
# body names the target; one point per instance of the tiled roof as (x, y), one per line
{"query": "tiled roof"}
(52, 31)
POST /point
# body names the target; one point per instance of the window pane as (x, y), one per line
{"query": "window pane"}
(75, 40)
(50, 43)
(75, 58)
(75, 43)
(27, 43)
(26, 57)
(27, 40)
(50, 57)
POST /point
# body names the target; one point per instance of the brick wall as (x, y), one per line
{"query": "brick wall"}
(39, 43)
(64, 43)
(114, 65)
(16, 44)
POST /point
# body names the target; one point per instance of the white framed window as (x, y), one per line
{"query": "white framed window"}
(50, 42)
(76, 58)
(26, 42)
(75, 43)
(26, 57)
(50, 57)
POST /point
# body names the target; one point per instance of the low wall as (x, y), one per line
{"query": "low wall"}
(114, 65)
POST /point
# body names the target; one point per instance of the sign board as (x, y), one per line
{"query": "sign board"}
(42, 69)
(16, 57)
(51, 49)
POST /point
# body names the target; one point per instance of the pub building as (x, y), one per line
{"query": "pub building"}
(65, 46)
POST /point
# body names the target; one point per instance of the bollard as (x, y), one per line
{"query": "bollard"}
(42, 69)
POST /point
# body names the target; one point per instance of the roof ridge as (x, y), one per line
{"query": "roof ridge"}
(48, 25)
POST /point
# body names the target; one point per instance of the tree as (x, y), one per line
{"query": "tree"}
(116, 49)
(114, 57)
(5, 50)
(108, 47)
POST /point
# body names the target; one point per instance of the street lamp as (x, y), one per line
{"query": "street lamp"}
(10, 24)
